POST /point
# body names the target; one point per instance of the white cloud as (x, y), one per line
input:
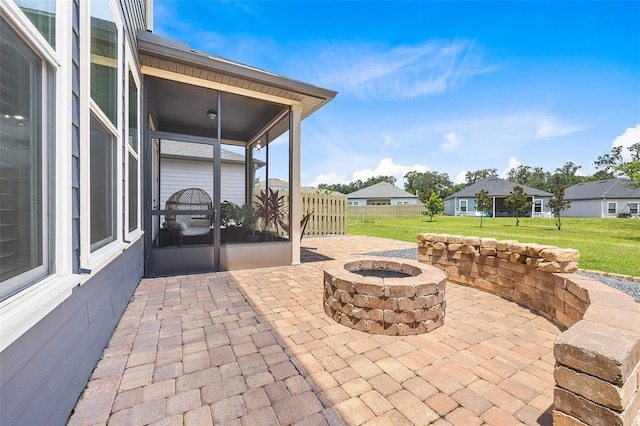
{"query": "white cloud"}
(461, 177)
(328, 178)
(512, 164)
(388, 141)
(375, 72)
(386, 167)
(625, 140)
(452, 143)
(551, 127)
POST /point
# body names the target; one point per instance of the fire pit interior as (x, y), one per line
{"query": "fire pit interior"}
(385, 296)
(381, 273)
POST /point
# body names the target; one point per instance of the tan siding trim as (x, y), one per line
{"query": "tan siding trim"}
(156, 72)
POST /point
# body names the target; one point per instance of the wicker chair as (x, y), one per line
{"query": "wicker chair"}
(189, 199)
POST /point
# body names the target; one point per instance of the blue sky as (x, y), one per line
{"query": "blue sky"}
(447, 86)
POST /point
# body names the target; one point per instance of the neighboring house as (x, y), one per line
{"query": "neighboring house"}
(463, 203)
(603, 198)
(282, 185)
(88, 95)
(381, 194)
(182, 164)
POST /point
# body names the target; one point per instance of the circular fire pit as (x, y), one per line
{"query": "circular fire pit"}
(385, 296)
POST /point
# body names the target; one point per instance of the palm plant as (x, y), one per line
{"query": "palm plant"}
(271, 210)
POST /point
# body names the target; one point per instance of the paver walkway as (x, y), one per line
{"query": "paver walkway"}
(255, 347)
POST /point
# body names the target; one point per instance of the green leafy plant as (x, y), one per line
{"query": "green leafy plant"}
(434, 205)
(518, 202)
(248, 216)
(557, 204)
(229, 213)
(484, 203)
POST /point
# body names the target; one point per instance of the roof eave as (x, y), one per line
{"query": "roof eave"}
(173, 50)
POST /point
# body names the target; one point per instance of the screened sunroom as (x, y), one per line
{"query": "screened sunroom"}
(215, 132)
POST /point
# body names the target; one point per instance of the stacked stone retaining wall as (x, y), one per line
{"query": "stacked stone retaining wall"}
(597, 370)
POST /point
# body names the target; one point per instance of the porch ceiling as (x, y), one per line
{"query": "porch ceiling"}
(182, 108)
(182, 86)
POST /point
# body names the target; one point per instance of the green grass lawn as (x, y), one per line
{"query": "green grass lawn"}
(610, 245)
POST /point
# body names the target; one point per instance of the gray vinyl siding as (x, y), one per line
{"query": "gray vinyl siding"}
(176, 174)
(46, 369)
(449, 207)
(584, 208)
(134, 15)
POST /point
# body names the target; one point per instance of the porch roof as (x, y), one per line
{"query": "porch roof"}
(182, 86)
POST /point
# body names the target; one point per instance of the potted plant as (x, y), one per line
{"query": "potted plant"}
(230, 222)
(272, 213)
(249, 218)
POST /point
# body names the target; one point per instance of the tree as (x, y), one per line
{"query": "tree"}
(565, 176)
(484, 203)
(518, 202)
(473, 177)
(357, 185)
(453, 189)
(615, 162)
(601, 175)
(434, 205)
(535, 177)
(558, 204)
(608, 162)
(632, 171)
(377, 179)
(424, 183)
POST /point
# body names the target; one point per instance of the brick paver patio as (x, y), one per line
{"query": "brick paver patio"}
(255, 347)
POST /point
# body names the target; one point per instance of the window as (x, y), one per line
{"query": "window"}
(102, 186)
(633, 208)
(537, 206)
(103, 139)
(463, 205)
(402, 202)
(24, 238)
(132, 117)
(42, 13)
(352, 203)
(133, 192)
(104, 60)
(612, 208)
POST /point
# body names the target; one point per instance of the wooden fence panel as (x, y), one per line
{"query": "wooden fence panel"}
(396, 210)
(329, 213)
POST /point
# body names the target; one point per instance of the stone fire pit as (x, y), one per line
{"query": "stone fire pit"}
(385, 296)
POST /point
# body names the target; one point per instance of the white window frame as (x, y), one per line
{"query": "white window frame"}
(538, 202)
(26, 308)
(466, 206)
(615, 207)
(131, 68)
(94, 261)
(634, 206)
(48, 143)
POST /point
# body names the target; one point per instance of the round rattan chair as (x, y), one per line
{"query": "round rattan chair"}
(188, 199)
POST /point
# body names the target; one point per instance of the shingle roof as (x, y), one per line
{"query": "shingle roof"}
(381, 190)
(275, 183)
(497, 188)
(169, 148)
(607, 188)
